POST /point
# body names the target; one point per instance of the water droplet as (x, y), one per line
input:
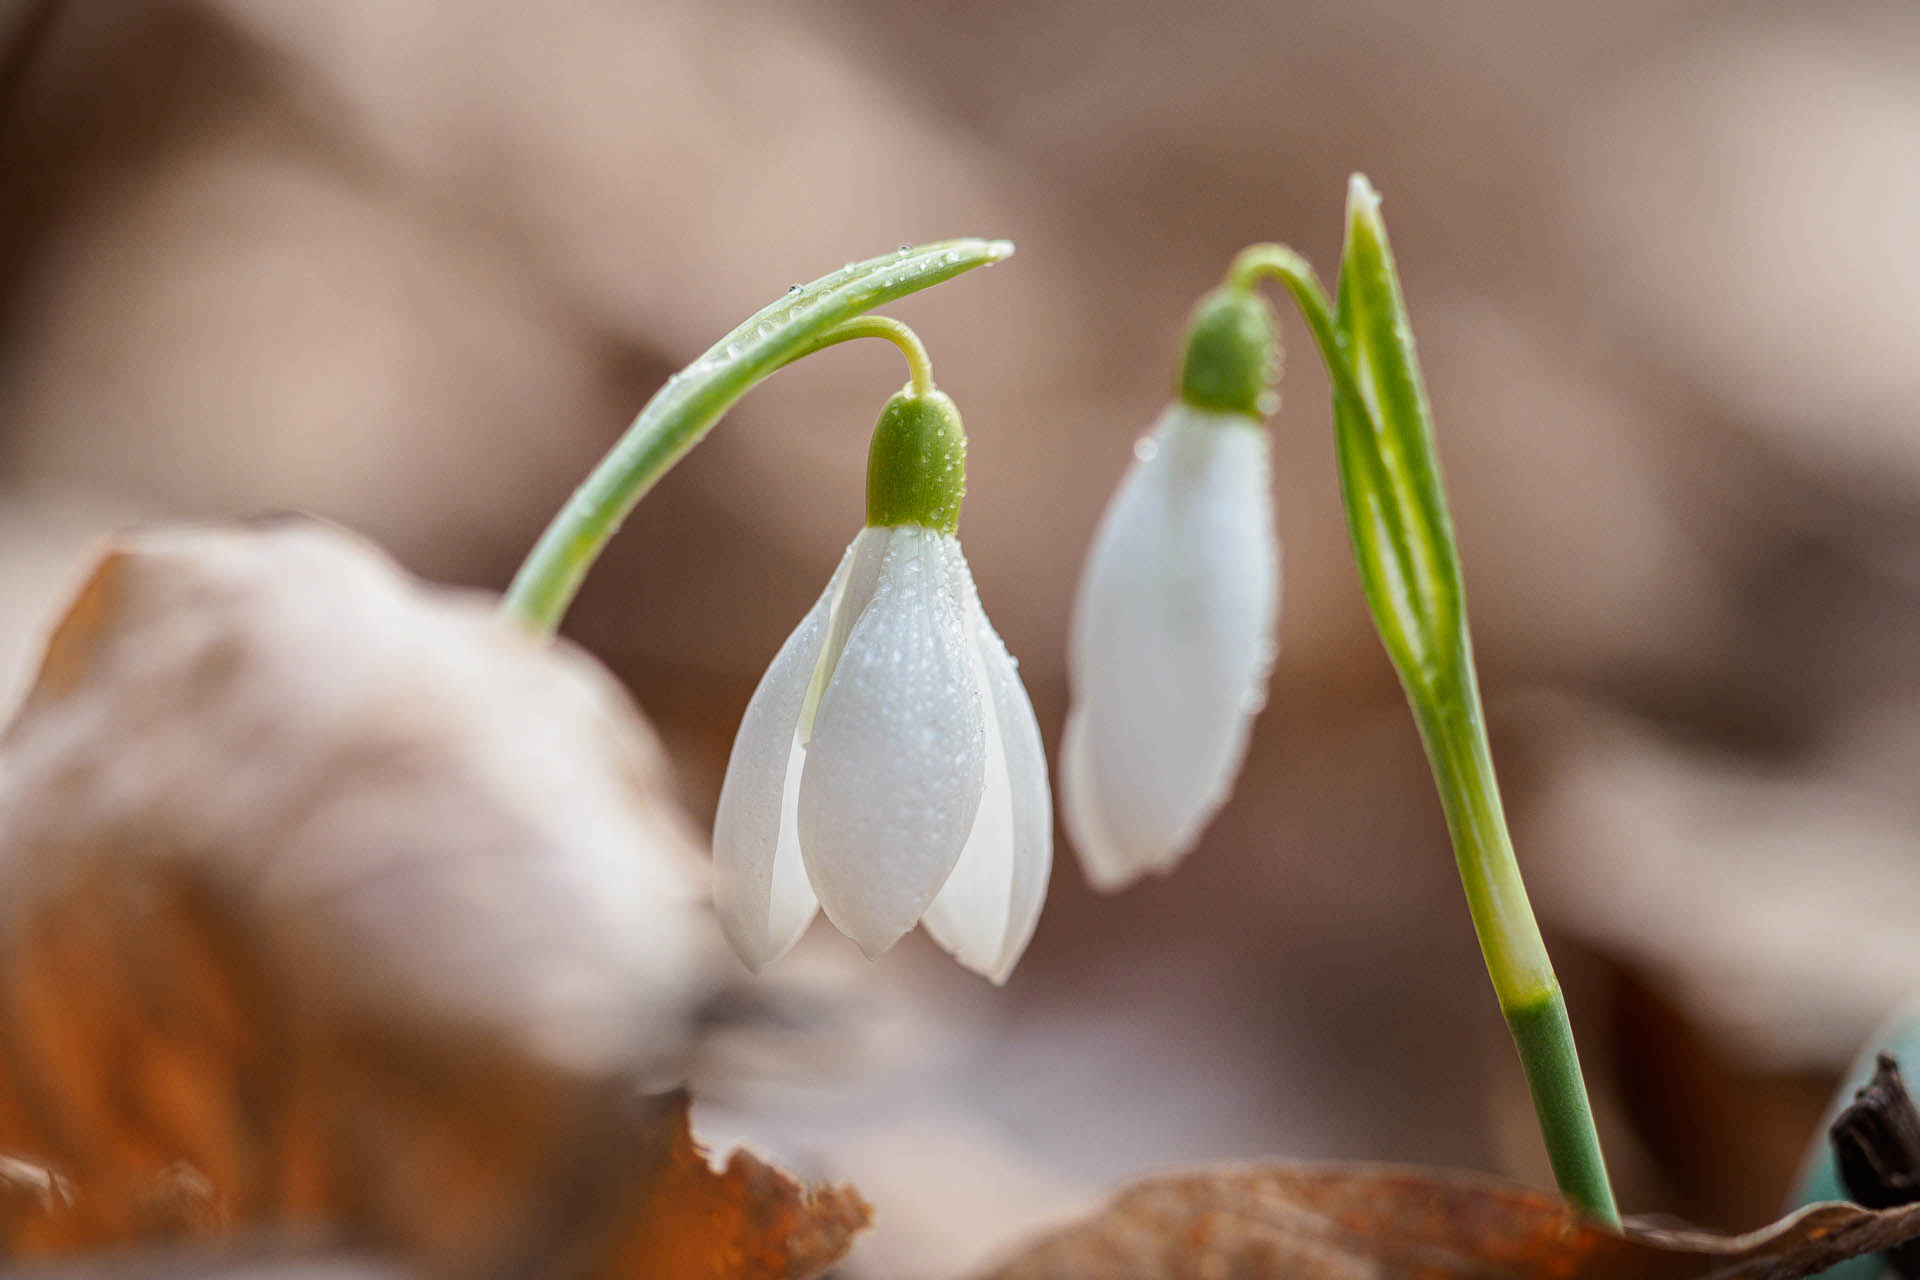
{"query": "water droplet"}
(906, 248)
(1145, 448)
(795, 288)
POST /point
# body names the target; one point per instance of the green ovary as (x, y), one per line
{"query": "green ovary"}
(917, 463)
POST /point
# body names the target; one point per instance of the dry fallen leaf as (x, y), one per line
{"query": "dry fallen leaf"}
(430, 815)
(332, 905)
(1375, 1222)
(747, 1222)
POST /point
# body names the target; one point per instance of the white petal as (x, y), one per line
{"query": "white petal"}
(987, 912)
(759, 884)
(895, 767)
(1173, 637)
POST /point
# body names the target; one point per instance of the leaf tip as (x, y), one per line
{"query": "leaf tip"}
(1362, 200)
(1366, 230)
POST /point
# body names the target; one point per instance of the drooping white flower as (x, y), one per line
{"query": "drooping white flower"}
(889, 768)
(1174, 627)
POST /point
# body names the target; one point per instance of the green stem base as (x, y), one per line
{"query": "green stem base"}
(1544, 1037)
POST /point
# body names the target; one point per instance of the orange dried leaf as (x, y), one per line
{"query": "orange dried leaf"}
(748, 1221)
(332, 907)
(1369, 1222)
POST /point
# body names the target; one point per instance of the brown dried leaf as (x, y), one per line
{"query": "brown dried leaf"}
(1370, 1222)
(332, 904)
(746, 1222)
(428, 815)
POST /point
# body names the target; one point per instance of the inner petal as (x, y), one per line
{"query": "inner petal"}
(790, 900)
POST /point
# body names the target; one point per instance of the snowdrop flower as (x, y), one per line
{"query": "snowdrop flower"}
(889, 767)
(1173, 630)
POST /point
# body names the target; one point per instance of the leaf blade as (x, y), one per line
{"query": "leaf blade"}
(1371, 318)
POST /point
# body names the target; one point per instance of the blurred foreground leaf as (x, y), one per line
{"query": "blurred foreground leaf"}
(333, 909)
(1383, 1223)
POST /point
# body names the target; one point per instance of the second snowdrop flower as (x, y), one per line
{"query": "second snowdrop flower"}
(889, 767)
(1174, 628)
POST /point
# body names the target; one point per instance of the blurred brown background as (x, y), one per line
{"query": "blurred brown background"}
(412, 266)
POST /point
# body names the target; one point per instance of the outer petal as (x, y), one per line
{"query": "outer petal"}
(895, 766)
(1173, 637)
(759, 884)
(986, 913)
(859, 577)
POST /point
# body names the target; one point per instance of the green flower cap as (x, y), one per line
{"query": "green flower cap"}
(1233, 354)
(917, 463)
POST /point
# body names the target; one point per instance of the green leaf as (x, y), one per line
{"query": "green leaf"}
(686, 408)
(1389, 466)
(1410, 571)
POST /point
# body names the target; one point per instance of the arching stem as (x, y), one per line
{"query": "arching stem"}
(686, 408)
(919, 365)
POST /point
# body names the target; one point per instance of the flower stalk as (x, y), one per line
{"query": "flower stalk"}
(1403, 543)
(919, 364)
(681, 413)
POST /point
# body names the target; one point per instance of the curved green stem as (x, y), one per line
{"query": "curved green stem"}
(1259, 262)
(1403, 543)
(686, 408)
(919, 364)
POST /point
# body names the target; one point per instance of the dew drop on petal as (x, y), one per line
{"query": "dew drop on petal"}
(1145, 448)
